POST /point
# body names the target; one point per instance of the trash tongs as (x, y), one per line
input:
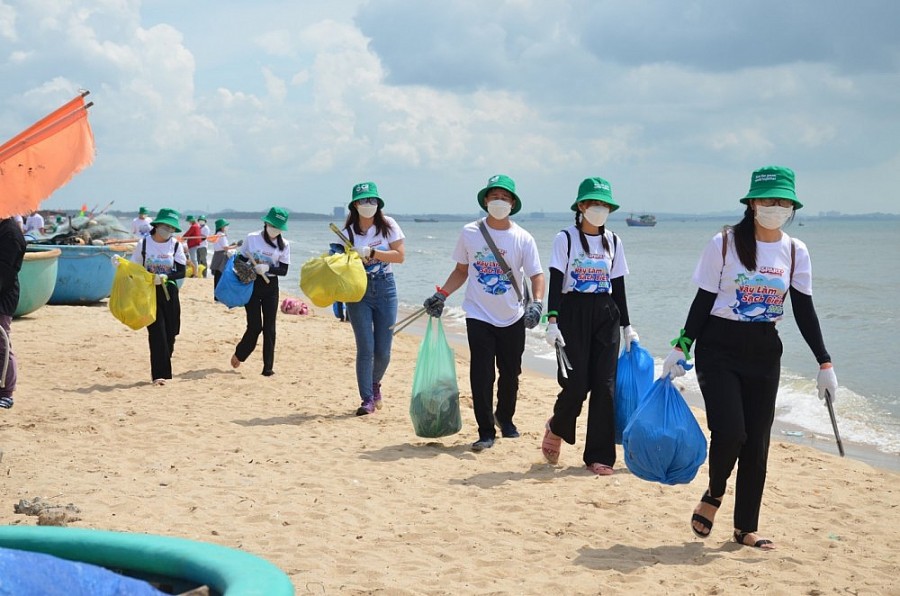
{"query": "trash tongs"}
(404, 323)
(563, 361)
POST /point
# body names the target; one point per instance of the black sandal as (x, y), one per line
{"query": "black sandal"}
(739, 538)
(706, 523)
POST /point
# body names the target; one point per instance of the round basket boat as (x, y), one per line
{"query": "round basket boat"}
(37, 278)
(85, 273)
(161, 560)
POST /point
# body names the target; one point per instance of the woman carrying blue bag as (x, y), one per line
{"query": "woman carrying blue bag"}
(586, 306)
(744, 275)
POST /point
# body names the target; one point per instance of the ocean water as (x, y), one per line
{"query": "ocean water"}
(856, 285)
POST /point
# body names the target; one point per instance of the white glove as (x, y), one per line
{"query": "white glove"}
(630, 336)
(261, 268)
(159, 280)
(671, 365)
(826, 380)
(554, 337)
(365, 252)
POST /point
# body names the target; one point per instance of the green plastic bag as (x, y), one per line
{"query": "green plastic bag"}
(434, 407)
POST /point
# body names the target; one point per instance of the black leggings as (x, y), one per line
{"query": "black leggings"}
(738, 368)
(261, 312)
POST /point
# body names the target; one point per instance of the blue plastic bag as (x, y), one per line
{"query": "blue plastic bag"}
(634, 376)
(230, 291)
(663, 442)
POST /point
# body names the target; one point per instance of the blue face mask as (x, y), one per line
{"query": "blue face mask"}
(164, 232)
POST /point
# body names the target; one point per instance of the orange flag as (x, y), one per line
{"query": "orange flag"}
(44, 157)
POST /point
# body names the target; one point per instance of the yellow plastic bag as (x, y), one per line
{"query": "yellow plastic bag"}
(327, 279)
(132, 299)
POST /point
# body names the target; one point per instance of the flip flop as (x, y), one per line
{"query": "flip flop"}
(551, 445)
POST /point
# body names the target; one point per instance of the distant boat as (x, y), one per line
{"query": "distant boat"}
(641, 221)
(424, 219)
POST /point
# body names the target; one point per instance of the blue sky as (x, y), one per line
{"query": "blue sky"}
(203, 105)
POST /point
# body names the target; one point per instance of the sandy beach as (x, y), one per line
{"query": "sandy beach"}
(282, 468)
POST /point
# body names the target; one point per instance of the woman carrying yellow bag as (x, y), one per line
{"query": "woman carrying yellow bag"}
(379, 241)
(163, 256)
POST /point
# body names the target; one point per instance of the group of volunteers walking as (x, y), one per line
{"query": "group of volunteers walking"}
(744, 275)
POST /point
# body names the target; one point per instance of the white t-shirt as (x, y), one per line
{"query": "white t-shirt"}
(263, 252)
(221, 243)
(588, 273)
(753, 296)
(159, 257)
(378, 242)
(34, 223)
(140, 227)
(204, 231)
(490, 296)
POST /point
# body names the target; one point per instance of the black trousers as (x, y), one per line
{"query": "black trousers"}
(738, 368)
(161, 332)
(589, 324)
(261, 312)
(490, 346)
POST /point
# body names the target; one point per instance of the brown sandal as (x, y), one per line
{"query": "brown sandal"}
(234, 361)
(551, 445)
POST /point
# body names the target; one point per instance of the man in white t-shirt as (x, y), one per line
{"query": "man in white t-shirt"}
(496, 315)
(140, 225)
(34, 225)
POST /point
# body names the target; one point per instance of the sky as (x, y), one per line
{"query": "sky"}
(209, 105)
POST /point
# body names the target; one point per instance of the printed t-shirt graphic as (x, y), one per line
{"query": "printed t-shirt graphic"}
(753, 296)
(592, 272)
(378, 242)
(488, 272)
(159, 257)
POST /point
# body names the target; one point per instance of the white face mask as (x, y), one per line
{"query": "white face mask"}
(164, 232)
(596, 215)
(272, 231)
(499, 209)
(772, 218)
(366, 211)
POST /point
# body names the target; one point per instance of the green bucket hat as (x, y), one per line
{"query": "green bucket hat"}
(201, 218)
(189, 218)
(168, 217)
(504, 182)
(772, 182)
(143, 211)
(277, 217)
(221, 223)
(595, 189)
(365, 190)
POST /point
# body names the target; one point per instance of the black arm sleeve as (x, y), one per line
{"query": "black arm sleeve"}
(554, 292)
(699, 313)
(618, 296)
(177, 272)
(281, 269)
(808, 322)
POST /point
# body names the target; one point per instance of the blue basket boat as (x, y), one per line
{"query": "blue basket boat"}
(84, 273)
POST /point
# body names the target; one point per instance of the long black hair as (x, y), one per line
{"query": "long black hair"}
(381, 224)
(278, 241)
(744, 235)
(579, 218)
